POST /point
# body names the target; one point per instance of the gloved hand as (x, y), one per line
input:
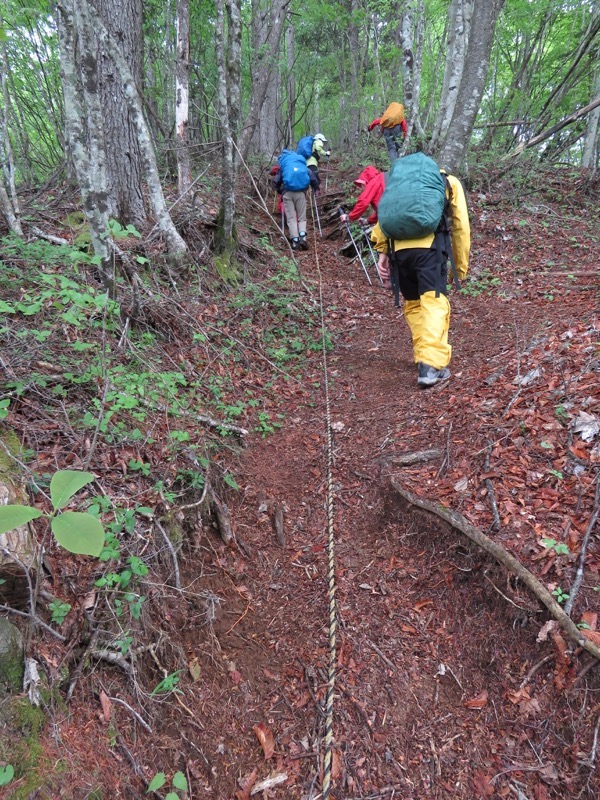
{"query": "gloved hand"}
(344, 218)
(328, 153)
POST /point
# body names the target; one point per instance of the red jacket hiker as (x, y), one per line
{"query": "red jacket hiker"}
(373, 181)
(378, 122)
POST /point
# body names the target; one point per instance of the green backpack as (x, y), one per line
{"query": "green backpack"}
(412, 203)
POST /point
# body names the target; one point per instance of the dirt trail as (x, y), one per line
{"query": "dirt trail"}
(432, 650)
(443, 691)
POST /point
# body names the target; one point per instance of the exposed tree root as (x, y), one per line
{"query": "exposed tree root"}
(510, 562)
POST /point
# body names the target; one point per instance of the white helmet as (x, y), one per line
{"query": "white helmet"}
(320, 136)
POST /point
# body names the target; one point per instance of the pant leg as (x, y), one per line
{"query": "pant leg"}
(289, 206)
(300, 203)
(391, 144)
(428, 316)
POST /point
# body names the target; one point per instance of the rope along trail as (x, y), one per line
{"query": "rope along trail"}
(327, 763)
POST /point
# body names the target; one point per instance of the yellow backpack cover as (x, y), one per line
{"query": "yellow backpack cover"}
(393, 115)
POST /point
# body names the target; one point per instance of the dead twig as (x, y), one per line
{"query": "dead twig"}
(535, 669)
(35, 620)
(446, 460)
(381, 655)
(112, 658)
(490, 490)
(459, 522)
(171, 550)
(132, 711)
(579, 574)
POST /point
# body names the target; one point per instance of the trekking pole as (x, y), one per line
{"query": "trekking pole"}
(327, 173)
(364, 230)
(317, 212)
(341, 211)
(282, 222)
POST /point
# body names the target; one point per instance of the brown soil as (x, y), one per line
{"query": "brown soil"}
(442, 689)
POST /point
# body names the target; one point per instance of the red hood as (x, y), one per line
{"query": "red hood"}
(368, 174)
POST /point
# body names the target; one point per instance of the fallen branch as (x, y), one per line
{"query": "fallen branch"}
(112, 658)
(504, 557)
(582, 112)
(579, 574)
(171, 549)
(406, 459)
(490, 490)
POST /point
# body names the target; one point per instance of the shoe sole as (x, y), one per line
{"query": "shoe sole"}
(427, 383)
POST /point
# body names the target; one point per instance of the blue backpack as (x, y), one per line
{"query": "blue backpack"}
(305, 146)
(294, 172)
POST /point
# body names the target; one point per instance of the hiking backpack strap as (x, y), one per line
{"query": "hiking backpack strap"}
(443, 243)
(394, 271)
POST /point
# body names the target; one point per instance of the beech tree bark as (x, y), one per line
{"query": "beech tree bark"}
(459, 27)
(265, 137)
(84, 128)
(265, 60)
(177, 248)
(123, 21)
(182, 96)
(229, 55)
(9, 201)
(472, 83)
(591, 142)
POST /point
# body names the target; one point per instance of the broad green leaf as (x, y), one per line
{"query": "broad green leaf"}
(12, 516)
(171, 796)
(79, 532)
(65, 484)
(157, 781)
(7, 773)
(180, 781)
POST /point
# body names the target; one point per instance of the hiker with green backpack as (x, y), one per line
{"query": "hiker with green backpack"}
(414, 240)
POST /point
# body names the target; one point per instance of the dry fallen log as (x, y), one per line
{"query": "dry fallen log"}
(504, 557)
(406, 459)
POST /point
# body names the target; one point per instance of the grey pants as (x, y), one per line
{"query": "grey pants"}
(294, 204)
(393, 138)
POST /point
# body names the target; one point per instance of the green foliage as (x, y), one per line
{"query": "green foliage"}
(59, 611)
(75, 531)
(159, 780)
(168, 684)
(483, 283)
(7, 773)
(561, 596)
(559, 547)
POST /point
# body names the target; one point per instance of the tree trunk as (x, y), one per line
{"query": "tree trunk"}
(265, 60)
(288, 136)
(229, 53)
(412, 23)
(459, 26)
(472, 84)
(176, 247)
(354, 104)
(182, 96)
(591, 142)
(123, 21)
(264, 140)
(9, 202)
(84, 127)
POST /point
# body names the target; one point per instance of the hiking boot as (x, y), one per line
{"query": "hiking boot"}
(303, 241)
(295, 244)
(429, 376)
